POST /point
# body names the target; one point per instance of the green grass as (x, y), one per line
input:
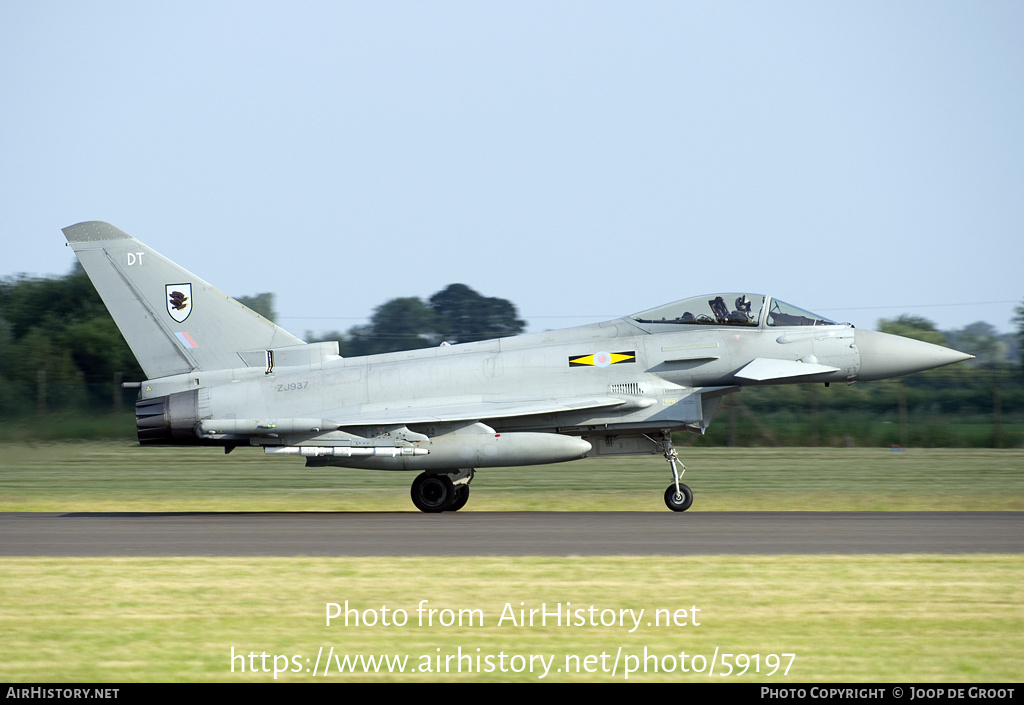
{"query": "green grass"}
(92, 476)
(857, 618)
(847, 618)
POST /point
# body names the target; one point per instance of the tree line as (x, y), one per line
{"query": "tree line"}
(456, 314)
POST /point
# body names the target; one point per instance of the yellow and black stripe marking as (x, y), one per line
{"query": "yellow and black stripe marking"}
(602, 359)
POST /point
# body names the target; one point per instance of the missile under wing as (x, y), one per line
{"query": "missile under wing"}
(220, 374)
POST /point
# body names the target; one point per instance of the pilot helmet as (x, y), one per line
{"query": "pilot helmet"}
(743, 303)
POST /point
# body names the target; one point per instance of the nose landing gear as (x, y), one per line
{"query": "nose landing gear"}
(678, 497)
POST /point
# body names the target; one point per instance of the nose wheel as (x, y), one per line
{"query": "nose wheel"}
(678, 497)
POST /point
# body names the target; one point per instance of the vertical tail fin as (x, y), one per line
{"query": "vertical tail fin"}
(173, 321)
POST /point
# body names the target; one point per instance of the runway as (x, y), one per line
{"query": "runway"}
(508, 533)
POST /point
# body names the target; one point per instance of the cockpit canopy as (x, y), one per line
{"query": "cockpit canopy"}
(736, 309)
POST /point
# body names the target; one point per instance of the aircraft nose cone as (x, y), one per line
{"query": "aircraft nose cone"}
(883, 355)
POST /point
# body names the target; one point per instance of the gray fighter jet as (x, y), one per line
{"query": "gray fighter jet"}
(220, 374)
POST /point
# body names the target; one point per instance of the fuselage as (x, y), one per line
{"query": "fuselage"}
(626, 377)
(652, 367)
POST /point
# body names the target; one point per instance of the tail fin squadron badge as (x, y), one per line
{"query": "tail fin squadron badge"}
(179, 301)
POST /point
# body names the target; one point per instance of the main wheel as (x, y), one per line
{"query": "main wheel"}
(461, 497)
(678, 501)
(433, 493)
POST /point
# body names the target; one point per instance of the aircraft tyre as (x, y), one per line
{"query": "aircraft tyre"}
(461, 497)
(681, 501)
(433, 493)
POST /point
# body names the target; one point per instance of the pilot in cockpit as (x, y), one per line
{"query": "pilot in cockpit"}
(740, 316)
(742, 312)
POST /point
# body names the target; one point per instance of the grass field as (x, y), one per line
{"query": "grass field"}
(850, 618)
(855, 618)
(82, 476)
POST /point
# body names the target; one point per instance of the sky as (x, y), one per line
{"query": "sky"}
(584, 160)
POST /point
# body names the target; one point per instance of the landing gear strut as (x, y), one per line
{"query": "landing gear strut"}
(678, 497)
(441, 492)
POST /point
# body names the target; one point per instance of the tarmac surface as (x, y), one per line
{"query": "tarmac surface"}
(507, 533)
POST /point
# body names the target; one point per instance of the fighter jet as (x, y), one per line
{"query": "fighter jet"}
(220, 374)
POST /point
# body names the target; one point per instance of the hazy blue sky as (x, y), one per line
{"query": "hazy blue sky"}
(582, 159)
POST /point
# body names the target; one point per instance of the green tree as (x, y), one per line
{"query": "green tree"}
(400, 324)
(262, 304)
(471, 316)
(99, 351)
(60, 326)
(1019, 320)
(456, 314)
(981, 340)
(916, 327)
(28, 302)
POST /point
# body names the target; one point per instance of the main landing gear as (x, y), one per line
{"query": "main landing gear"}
(678, 497)
(434, 492)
